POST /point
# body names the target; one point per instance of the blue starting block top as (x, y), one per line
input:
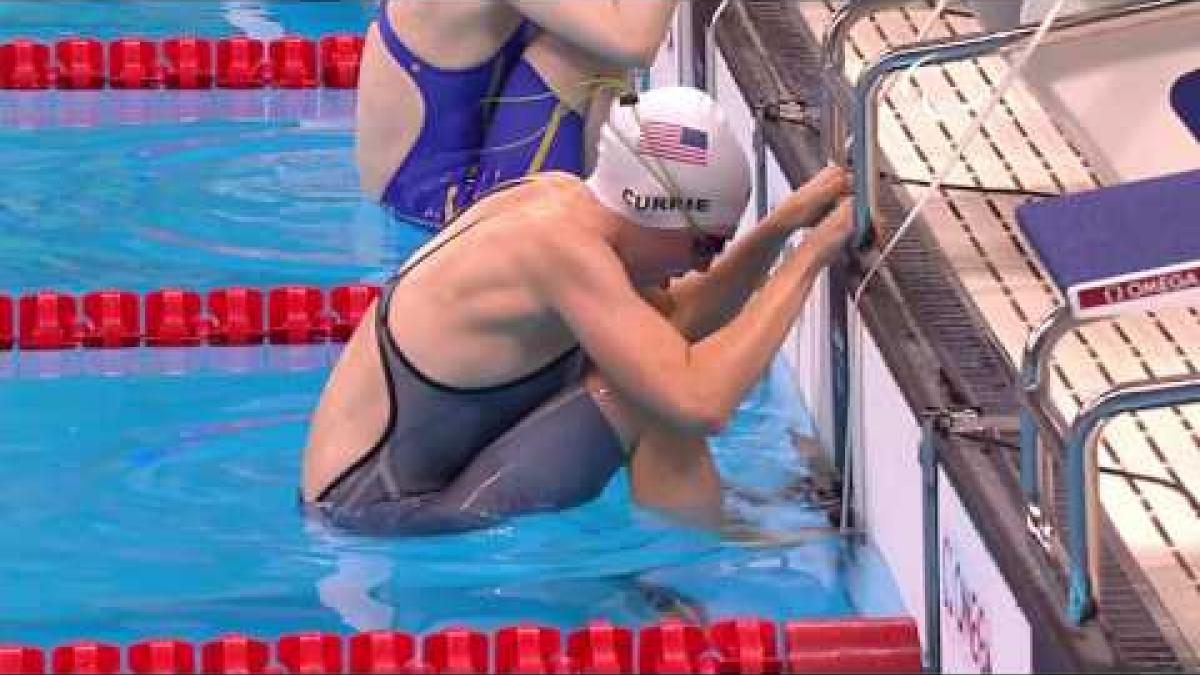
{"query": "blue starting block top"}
(1120, 248)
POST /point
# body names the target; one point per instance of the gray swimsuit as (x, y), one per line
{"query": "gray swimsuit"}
(453, 459)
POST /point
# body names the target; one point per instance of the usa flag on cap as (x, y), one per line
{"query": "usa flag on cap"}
(674, 142)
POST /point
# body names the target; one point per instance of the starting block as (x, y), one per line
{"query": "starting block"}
(1117, 250)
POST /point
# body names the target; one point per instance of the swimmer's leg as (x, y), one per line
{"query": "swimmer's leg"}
(669, 471)
(561, 455)
(675, 473)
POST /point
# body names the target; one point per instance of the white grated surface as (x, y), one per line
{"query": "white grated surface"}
(1022, 148)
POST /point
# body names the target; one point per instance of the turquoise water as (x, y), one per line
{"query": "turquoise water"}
(106, 19)
(152, 492)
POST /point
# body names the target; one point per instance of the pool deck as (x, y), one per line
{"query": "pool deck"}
(1021, 148)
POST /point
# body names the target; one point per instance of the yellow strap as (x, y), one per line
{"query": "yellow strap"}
(539, 157)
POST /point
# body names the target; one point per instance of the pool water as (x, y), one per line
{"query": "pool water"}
(107, 19)
(153, 492)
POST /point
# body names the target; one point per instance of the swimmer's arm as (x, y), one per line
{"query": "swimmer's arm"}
(625, 33)
(690, 387)
(703, 302)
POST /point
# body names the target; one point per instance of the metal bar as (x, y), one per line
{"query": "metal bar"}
(834, 63)
(837, 98)
(761, 196)
(1082, 476)
(710, 50)
(1035, 418)
(931, 539)
(837, 289)
(833, 54)
(758, 140)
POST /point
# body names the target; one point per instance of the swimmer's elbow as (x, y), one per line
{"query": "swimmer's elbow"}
(624, 50)
(635, 56)
(702, 414)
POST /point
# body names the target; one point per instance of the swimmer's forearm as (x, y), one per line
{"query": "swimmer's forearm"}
(705, 302)
(732, 359)
(713, 298)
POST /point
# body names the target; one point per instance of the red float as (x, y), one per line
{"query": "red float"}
(80, 63)
(24, 64)
(133, 64)
(189, 63)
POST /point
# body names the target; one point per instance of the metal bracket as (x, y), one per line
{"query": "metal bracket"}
(789, 111)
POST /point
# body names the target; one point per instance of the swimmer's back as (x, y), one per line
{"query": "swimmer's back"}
(461, 315)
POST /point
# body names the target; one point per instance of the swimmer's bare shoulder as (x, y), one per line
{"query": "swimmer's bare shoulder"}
(552, 207)
(559, 188)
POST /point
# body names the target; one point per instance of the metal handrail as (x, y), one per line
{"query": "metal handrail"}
(1035, 415)
(1083, 509)
(833, 55)
(710, 49)
(837, 99)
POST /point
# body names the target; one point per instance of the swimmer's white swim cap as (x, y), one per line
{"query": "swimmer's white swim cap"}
(672, 158)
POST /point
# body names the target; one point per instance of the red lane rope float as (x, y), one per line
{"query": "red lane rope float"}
(340, 58)
(6, 322)
(133, 64)
(293, 63)
(383, 652)
(750, 643)
(188, 63)
(237, 316)
(47, 320)
(237, 62)
(734, 645)
(86, 656)
(858, 645)
(112, 319)
(240, 63)
(601, 647)
(296, 315)
(671, 647)
(80, 63)
(14, 659)
(178, 317)
(24, 64)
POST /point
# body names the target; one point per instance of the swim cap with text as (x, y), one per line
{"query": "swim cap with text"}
(671, 157)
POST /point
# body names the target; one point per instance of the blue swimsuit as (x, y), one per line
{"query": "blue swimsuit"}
(532, 130)
(433, 180)
(501, 105)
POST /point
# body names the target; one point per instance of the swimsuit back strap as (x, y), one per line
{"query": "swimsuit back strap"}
(391, 39)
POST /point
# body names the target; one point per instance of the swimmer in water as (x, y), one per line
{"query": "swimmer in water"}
(561, 328)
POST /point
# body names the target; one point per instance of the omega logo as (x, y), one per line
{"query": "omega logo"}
(962, 607)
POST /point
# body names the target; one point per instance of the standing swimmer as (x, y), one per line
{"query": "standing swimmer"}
(433, 70)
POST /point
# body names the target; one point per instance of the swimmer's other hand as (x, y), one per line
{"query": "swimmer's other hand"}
(808, 204)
